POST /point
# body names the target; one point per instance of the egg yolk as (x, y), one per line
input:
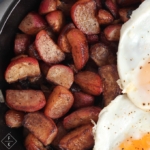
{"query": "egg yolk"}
(144, 74)
(140, 144)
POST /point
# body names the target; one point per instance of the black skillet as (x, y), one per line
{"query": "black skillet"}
(9, 19)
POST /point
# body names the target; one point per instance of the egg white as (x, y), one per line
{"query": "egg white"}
(120, 120)
(133, 54)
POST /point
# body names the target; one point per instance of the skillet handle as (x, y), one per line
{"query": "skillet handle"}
(6, 8)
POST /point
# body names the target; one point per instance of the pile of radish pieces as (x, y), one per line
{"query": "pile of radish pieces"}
(64, 71)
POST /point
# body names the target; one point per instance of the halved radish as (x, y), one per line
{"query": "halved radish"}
(47, 49)
(21, 68)
(83, 15)
(25, 100)
(60, 75)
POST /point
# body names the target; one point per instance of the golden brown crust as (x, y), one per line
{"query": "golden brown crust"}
(59, 102)
(79, 47)
(79, 139)
(81, 116)
(41, 127)
(89, 82)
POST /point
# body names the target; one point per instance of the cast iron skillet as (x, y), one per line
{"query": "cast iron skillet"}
(8, 28)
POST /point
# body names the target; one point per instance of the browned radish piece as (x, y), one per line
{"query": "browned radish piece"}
(109, 77)
(79, 139)
(61, 133)
(112, 32)
(125, 13)
(21, 68)
(104, 17)
(21, 44)
(44, 68)
(82, 100)
(89, 82)
(60, 75)
(32, 143)
(128, 2)
(62, 39)
(83, 15)
(65, 6)
(59, 102)
(32, 23)
(79, 47)
(112, 7)
(47, 6)
(25, 100)
(14, 118)
(55, 20)
(41, 127)
(47, 49)
(81, 116)
(101, 54)
(92, 38)
(32, 52)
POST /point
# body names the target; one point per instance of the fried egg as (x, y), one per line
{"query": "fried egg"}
(133, 59)
(122, 126)
(125, 123)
